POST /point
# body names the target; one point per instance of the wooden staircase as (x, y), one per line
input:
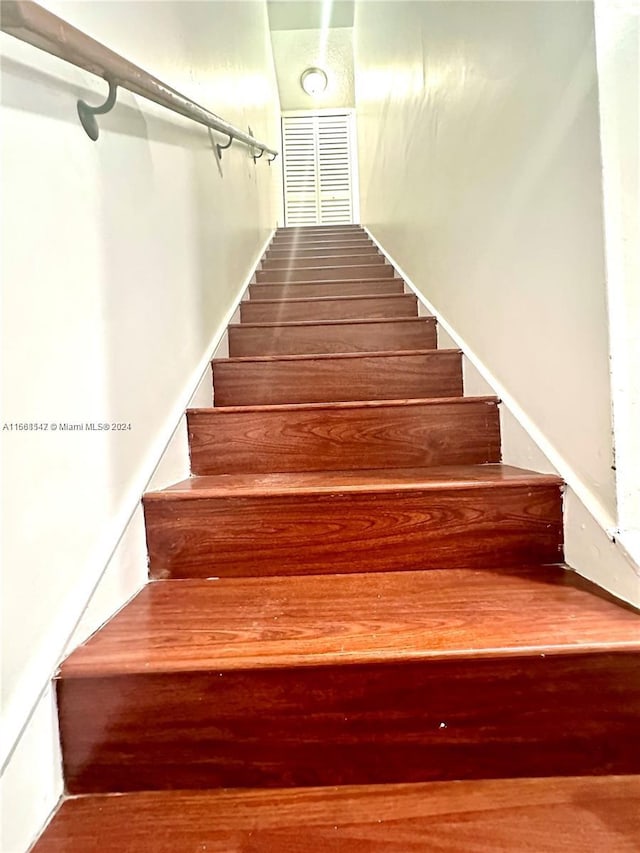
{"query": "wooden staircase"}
(359, 634)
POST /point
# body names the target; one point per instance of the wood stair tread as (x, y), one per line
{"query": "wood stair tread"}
(323, 620)
(335, 356)
(286, 280)
(319, 300)
(364, 320)
(526, 815)
(333, 406)
(449, 477)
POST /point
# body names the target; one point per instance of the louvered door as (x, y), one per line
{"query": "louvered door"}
(318, 181)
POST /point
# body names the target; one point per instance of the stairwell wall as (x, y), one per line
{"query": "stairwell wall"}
(480, 175)
(121, 262)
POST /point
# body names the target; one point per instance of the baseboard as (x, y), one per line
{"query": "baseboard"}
(18, 713)
(31, 785)
(592, 547)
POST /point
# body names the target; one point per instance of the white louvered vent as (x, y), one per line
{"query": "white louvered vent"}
(317, 169)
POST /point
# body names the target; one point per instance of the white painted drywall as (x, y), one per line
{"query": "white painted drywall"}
(332, 50)
(121, 262)
(480, 174)
(590, 547)
(618, 52)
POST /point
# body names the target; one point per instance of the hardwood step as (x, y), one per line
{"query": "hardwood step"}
(357, 239)
(334, 288)
(319, 522)
(339, 336)
(294, 261)
(329, 308)
(312, 233)
(553, 815)
(345, 226)
(338, 273)
(320, 229)
(337, 252)
(344, 436)
(339, 377)
(354, 679)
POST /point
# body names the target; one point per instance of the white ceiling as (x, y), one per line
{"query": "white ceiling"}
(308, 14)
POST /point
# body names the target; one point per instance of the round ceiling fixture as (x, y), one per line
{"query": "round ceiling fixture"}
(313, 81)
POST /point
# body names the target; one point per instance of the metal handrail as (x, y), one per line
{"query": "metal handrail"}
(37, 26)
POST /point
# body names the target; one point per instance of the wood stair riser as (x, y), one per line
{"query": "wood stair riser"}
(293, 261)
(338, 252)
(325, 337)
(345, 437)
(343, 242)
(358, 272)
(337, 378)
(328, 308)
(275, 534)
(323, 289)
(336, 725)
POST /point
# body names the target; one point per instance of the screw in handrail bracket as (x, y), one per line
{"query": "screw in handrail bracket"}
(87, 114)
(221, 148)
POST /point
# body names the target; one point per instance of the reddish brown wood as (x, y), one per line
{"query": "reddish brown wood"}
(293, 261)
(337, 252)
(335, 288)
(349, 521)
(460, 614)
(337, 377)
(347, 436)
(402, 333)
(328, 308)
(320, 273)
(531, 715)
(289, 240)
(554, 815)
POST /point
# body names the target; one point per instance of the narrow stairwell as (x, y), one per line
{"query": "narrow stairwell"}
(360, 633)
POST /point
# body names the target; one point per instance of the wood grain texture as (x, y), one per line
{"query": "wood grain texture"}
(293, 261)
(337, 378)
(323, 273)
(326, 244)
(346, 436)
(319, 620)
(328, 308)
(335, 522)
(531, 715)
(333, 288)
(336, 251)
(554, 815)
(400, 334)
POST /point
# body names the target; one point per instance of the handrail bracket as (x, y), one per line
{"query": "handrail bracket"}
(87, 113)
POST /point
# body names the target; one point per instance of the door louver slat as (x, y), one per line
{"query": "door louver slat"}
(317, 170)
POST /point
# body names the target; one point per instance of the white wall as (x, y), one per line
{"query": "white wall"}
(330, 49)
(480, 174)
(121, 260)
(618, 52)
